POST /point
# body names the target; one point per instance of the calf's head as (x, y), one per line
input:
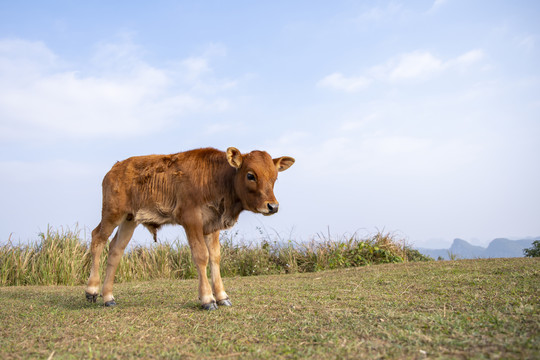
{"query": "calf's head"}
(256, 174)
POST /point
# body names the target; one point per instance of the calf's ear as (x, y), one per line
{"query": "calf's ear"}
(234, 157)
(283, 163)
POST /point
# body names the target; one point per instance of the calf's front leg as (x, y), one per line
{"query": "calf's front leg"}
(199, 253)
(214, 250)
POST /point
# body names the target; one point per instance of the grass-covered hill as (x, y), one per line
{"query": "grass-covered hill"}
(468, 309)
(347, 299)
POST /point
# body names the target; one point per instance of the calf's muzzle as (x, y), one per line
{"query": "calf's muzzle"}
(272, 208)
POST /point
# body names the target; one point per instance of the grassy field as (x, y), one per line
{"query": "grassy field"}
(444, 309)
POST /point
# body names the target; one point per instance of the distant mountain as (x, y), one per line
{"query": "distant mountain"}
(508, 248)
(467, 251)
(497, 248)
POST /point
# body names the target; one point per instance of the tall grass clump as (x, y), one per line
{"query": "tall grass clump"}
(56, 258)
(159, 261)
(327, 254)
(62, 257)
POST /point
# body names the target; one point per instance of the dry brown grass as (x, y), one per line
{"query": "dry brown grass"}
(62, 258)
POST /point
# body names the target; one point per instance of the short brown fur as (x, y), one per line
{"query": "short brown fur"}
(204, 190)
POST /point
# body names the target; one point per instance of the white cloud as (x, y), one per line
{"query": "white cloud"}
(379, 13)
(337, 81)
(526, 42)
(438, 3)
(119, 94)
(221, 127)
(16, 53)
(196, 66)
(416, 65)
(358, 123)
(292, 137)
(469, 58)
(413, 66)
(384, 155)
(19, 172)
(422, 65)
(118, 56)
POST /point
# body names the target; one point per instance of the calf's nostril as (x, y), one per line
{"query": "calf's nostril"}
(273, 208)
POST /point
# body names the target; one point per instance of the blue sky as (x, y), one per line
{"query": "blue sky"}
(419, 117)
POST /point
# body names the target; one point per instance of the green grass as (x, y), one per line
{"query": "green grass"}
(479, 309)
(62, 258)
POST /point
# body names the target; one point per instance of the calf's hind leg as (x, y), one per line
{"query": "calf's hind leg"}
(116, 250)
(100, 235)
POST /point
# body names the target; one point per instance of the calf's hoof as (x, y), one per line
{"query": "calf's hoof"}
(111, 303)
(210, 306)
(224, 302)
(91, 297)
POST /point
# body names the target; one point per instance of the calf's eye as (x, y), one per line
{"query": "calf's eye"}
(250, 177)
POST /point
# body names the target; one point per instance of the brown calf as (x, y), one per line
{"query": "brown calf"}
(203, 190)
